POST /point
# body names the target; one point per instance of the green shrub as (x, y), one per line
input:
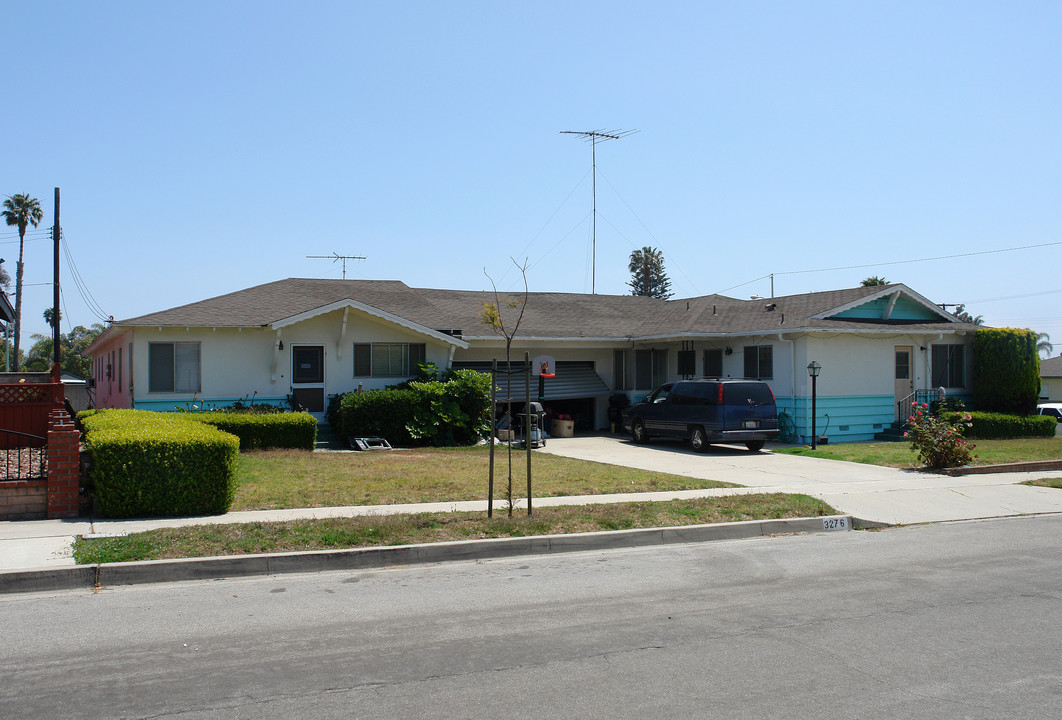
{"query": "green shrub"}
(262, 430)
(1000, 425)
(147, 464)
(379, 413)
(938, 439)
(437, 413)
(1006, 370)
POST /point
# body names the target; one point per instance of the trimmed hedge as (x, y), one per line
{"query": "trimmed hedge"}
(148, 464)
(378, 413)
(258, 431)
(990, 425)
(435, 413)
(1006, 370)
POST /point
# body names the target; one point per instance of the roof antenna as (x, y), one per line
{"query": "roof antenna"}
(594, 137)
(336, 256)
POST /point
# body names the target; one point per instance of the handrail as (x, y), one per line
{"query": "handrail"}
(924, 395)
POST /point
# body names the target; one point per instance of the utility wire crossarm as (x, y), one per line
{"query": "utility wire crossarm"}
(336, 256)
(594, 137)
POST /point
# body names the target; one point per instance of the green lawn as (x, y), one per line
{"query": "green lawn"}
(895, 454)
(276, 479)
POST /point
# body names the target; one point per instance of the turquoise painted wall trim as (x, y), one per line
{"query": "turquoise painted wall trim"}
(203, 404)
(861, 415)
(905, 309)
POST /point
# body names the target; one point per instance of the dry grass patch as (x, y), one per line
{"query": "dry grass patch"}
(1045, 482)
(379, 530)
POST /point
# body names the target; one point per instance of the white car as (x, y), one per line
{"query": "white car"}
(1052, 409)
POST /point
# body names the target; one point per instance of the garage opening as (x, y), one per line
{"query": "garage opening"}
(575, 390)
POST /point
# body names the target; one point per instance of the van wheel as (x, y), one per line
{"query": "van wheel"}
(754, 445)
(699, 440)
(638, 432)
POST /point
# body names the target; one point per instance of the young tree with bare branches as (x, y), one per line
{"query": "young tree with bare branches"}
(494, 316)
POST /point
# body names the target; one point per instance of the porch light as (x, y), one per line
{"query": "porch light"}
(813, 370)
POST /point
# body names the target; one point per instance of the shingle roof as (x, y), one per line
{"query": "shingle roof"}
(548, 315)
(1051, 367)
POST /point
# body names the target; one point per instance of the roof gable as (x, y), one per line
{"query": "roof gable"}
(351, 304)
(893, 304)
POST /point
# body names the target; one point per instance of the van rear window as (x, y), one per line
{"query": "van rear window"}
(747, 394)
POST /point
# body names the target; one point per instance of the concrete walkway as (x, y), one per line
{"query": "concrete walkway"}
(869, 493)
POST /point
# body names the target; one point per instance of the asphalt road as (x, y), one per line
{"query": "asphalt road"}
(958, 620)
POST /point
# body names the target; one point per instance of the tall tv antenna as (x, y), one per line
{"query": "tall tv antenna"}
(334, 257)
(594, 137)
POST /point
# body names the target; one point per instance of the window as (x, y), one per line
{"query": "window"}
(949, 365)
(387, 359)
(620, 371)
(687, 363)
(173, 367)
(307, 364)
(759, 361)
(713, 363)
(650, 368)
(903, 365)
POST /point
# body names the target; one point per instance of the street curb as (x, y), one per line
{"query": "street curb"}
(1029, 466)
(152, 571)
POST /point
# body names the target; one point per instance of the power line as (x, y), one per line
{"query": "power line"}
(901, 262)
(79, 282)
(929, 259)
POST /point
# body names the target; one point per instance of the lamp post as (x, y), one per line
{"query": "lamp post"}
(813, 370)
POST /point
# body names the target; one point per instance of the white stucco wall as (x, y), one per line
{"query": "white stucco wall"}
(1051, 390)
(238, 363)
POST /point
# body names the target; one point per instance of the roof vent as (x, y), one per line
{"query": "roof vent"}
(769, 307)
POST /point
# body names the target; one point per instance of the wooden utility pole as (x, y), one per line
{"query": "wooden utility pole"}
(56, 234)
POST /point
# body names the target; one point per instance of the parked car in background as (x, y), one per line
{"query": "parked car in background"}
(706, 412)
(1052, 409)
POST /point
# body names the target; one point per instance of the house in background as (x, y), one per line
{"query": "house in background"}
(1051, 379)
(879, 348)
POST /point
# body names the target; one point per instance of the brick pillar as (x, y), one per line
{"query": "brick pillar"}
(63, 465)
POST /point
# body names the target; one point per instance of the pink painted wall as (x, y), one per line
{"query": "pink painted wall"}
(112, 371)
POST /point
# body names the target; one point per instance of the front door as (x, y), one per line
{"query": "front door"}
(904, 380)
(307, 377)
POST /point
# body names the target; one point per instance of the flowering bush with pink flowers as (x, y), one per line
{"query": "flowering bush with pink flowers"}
(938, 438)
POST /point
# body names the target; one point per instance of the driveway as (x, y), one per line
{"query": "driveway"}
(874, 494)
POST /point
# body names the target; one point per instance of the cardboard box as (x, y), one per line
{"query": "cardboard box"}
(563, 428)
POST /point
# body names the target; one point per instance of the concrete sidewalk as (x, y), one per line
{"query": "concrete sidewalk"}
(866, 492)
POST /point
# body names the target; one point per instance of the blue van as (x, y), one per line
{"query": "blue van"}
(706, 412)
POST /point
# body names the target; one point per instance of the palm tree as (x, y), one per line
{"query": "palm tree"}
(1043, 344)
(23, 211)
(874, 281)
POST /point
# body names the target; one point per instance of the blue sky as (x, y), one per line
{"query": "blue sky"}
(202, 148)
